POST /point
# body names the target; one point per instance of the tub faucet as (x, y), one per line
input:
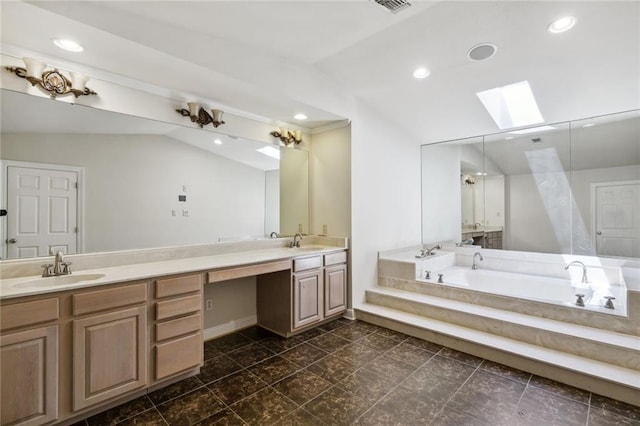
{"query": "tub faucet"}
(475, 256)
(584, 270)
(428, 252)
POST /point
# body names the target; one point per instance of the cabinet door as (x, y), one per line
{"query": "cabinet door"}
(109, 355)
(335, 289)
(307, 298)
(29, 365)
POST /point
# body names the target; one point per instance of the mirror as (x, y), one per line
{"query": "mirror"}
(568, 188)
(142, 183)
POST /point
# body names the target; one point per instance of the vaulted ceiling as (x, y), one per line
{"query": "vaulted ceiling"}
(277, 58)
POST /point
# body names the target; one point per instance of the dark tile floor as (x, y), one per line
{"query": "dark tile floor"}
(356, 373)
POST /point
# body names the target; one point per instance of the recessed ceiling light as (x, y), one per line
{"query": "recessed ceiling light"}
(482, 51)
(589, 125)
(270, 152)
(217, 142)
(421, 72)
(561, 25)
(68, 45)
(300, 116)
(511, 106)
(480, 174)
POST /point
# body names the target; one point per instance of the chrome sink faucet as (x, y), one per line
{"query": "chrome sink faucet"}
(295, 242)
(476, 255)
(585, 279)
(60, 267)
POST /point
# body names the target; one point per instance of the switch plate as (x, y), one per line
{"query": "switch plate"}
(184, 188)
(185, 213)
(300, 228)
(208, 305)
(324, 229)
(173, 212)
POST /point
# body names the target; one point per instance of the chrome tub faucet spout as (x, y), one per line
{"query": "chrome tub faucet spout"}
(585, 279)
(476, 255)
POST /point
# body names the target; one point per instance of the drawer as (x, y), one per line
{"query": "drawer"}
(335, 258)
(28, 313)
(178, 355)
(304, 263)
(179, 306)
(101, 300)
(166, 287)
(178, 327)
(248, 271)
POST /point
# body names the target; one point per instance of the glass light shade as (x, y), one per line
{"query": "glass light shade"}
(194, 108)
(297, 135)
(217, 115)
(78, 81)
(34, 67)
(283, 132)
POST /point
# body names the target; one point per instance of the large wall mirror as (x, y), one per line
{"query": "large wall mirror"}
(568, 188)
(141, 183)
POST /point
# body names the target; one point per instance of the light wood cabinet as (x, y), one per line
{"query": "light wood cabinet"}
(313, 291)
(178, 325)
(109, 355)
(29, 365)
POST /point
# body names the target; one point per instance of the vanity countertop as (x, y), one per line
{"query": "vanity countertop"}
(35, 285)
(466, 229)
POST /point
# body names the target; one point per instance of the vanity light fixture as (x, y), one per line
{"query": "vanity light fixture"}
(199, 115)
(561, 25)
(468, 180)
(287, 136)
(52, 81)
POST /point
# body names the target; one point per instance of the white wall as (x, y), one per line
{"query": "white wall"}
(385, 194)
(330, 190)
(132, 183)
(494, 200)
(234, 303)
(272, 202)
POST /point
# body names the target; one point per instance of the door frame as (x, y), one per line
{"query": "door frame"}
(594, 210)
(4, 181)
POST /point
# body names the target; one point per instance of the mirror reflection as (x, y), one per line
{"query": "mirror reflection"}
(568, 188)
(141, 183)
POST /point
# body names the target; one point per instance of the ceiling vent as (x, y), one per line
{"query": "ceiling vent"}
(482, 51)
(394, 6)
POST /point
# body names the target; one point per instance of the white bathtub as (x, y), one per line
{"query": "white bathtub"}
(553, 290)
(530, 276)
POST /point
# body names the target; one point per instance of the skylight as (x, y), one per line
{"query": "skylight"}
(270, 151)
(512, 105)
(533, 130)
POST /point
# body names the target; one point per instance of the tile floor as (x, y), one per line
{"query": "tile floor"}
(351, 372)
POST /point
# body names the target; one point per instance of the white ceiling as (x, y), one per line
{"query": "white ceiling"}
(277, 58)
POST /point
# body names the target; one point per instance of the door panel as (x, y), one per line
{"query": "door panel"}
(42, 206)
(307, 298)
(618, 220)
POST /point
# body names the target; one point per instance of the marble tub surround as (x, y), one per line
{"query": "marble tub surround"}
(376, 376)
(22, 277)
(529, 276)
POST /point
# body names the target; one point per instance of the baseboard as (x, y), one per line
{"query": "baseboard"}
(349, 314)
(229, 327)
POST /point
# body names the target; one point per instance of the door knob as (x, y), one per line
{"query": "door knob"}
(599, 232)
(12, 241)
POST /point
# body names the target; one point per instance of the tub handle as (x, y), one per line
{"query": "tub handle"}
(609, 304)
(427, 275)
(440, 278)
(580, 302)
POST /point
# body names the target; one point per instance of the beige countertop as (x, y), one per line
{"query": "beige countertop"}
(35, 285)
(466, 229)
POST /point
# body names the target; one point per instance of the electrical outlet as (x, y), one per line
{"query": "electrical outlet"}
(324, 229)
(208, 304)
(185, 213)
(300, 228)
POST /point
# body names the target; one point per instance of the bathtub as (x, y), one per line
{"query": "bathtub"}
(537, 277)
(537, 288)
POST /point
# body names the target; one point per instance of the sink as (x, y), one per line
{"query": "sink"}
(57, 281)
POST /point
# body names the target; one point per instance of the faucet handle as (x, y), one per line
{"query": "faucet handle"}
(609, 304)
(67, 269)
(46, 270)
(427, 275)
(580, 301)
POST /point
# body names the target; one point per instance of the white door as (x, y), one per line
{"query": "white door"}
(42, 211)
(618, 220)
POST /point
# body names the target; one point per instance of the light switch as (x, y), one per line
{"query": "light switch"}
(173, 212)
(185, 213)
(184, 188)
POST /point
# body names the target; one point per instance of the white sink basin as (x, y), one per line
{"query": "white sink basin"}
(57, 281)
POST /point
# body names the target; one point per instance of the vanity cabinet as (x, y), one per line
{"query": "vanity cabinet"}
(178, 325)
(109, 343)
(29, 362)
(493, 240)
(315, 290)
